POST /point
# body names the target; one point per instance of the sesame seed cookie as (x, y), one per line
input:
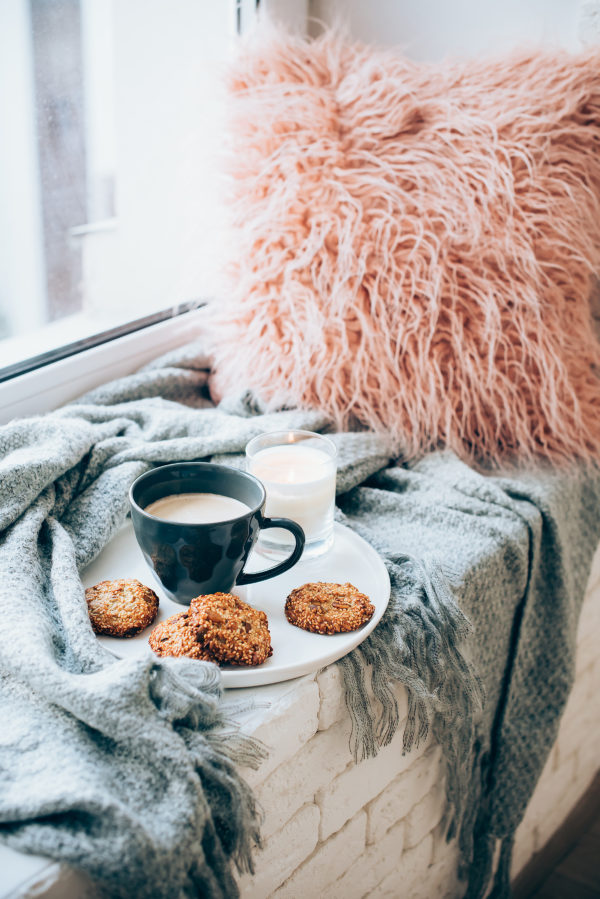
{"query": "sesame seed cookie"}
(235, 632)
(121, 608)
(178, 636)
(328, 608)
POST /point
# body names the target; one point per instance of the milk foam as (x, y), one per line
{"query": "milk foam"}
(197, 508)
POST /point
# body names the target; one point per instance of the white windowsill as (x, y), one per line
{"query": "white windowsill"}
(39, 391)
(59, 333)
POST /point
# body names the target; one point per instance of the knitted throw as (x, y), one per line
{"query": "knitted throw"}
(127, 769)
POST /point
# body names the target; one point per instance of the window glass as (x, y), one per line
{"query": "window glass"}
(109, 114)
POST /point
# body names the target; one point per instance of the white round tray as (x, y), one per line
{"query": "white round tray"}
(295, 651)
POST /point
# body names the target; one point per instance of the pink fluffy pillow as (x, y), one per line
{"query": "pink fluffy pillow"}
(413, 246)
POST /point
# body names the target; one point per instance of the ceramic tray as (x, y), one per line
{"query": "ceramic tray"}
(295, 652)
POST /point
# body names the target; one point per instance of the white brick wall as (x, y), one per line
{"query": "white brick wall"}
(329, 861)
(331, 692)
(425, 815)
(404, 792)
(337, 830)
(370, 867)
(313, 768)
(282, 854)
(284, 727)
(351, 790)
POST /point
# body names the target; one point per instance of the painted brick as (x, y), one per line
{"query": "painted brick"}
(367, 871)
(441, 847)
(587, 651)
(295, 782)
(525, 838)
(282, 854)
(407, 876)
(439, 880)
(580, 724)
(354, 788)
(329, 861)
(552, 801)
(403, 793)
(545, 787)
(548, 771)
(426, 815)
(588, 764)
(583, 699)
(594, 578)
(549, 782)
(284, 728)
(331, 690)
(589, 617)
(569, 785)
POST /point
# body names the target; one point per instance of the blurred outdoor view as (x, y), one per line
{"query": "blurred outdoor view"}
(108, 132)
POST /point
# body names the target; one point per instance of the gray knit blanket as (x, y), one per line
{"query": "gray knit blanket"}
(129, 769)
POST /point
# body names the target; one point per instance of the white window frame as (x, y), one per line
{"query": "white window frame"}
(52, 385)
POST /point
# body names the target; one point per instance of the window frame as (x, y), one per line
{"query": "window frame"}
(56, 383)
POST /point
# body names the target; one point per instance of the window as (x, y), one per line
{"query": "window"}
(108, 197)
(107, 201)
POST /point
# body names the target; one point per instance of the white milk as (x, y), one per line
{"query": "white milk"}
(197, 508)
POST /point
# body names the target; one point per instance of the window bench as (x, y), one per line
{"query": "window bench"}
(337, 830)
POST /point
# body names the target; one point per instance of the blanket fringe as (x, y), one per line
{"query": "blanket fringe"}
(416, 644)
(190, 695)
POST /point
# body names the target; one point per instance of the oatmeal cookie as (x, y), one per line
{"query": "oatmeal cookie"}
(328, 608)
(236, 633)
(121, 608)
(177, 636)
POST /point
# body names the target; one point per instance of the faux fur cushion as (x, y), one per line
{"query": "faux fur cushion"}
(413, 246)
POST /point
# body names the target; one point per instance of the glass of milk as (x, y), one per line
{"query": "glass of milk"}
(297, 469)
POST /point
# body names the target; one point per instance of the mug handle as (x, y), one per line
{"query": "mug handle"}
(298, 533)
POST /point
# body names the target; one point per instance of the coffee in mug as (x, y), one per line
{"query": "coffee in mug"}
(197, 508)
(191, 557)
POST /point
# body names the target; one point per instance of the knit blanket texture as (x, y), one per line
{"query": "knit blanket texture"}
(129, 769)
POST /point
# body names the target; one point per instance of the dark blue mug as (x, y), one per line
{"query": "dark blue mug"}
(191, 559)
